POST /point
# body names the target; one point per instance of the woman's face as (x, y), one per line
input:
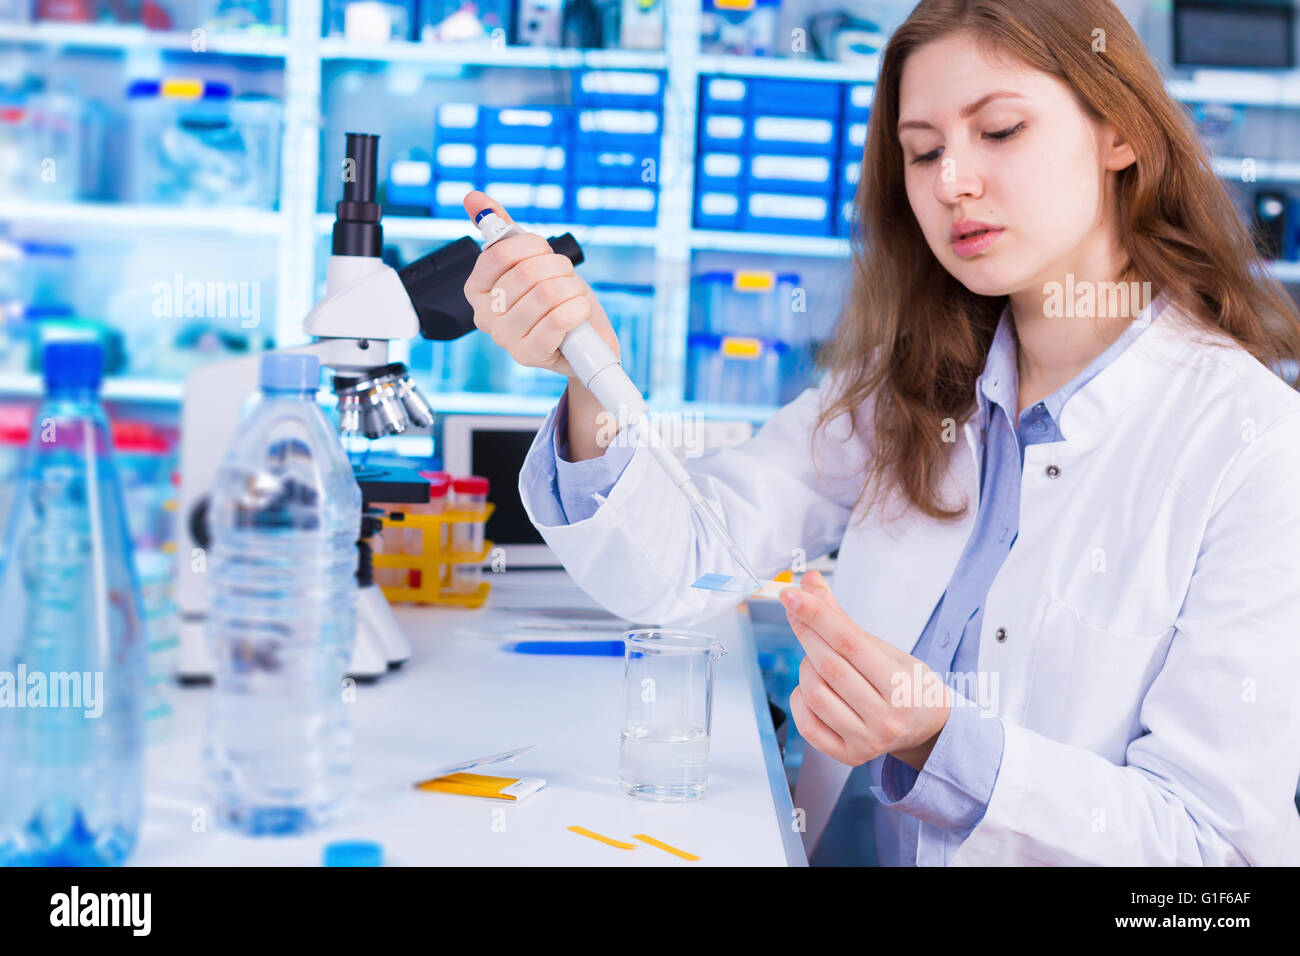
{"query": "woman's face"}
(1004, 145)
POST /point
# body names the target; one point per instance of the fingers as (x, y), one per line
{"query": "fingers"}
(832, 639)
(475, 202)
(829, 706)
(549, 332)
(814, 730)
(815, 582)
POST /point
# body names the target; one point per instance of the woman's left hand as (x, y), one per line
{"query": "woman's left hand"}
(858, 696)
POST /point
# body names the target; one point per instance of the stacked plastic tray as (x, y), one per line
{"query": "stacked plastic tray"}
(595, 161)
(779, 156)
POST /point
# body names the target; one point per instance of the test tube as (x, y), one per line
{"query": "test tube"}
(436, 542)
(468, 494)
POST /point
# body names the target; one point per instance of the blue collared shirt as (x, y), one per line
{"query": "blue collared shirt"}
(953, 789)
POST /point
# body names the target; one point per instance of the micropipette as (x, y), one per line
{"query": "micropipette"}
(595, 365)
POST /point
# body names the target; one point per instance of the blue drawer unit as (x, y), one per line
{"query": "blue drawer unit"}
(720, 171)
(717, 209)
(774, 172)
(410, 184)
(795, 98)
(724, 94)
(850, 173)
(787, 213)
(531, 202)
(737, 370)
(525, 162)
(457, 123)
(776, 133)
(449, 196)
(845, 214)
(619, 89)
(544, 125)
(615, 205)
(456, 160)
(616, 147)
(857, 101)
(853, 137)
(723, 132)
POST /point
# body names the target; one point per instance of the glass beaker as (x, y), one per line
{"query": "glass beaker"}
(667, 704)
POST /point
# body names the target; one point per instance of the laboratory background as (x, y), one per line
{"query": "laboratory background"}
(177, 178)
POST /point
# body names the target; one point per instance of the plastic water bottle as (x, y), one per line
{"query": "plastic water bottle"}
(285, 518)
(73, 649)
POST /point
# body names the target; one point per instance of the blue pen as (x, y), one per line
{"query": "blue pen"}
(585, 648)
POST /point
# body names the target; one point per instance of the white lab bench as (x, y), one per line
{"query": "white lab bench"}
(461, 696)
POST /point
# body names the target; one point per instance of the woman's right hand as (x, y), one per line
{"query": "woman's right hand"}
(528, 297)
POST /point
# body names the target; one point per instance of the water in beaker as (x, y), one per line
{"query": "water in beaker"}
(668, 697)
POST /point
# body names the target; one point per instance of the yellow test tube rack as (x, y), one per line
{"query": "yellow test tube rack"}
(435, 563)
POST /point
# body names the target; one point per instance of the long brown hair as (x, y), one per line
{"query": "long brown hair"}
(915, 339)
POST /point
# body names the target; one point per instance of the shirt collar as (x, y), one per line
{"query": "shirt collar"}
(999, 384)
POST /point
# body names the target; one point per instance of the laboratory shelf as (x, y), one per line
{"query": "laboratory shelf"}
(415, 227)
(1266, 170)
(485, 54)
(122, 37)
(1238, 87)
(134, 217)
(123, 389)
(851, 71)
(821, 246)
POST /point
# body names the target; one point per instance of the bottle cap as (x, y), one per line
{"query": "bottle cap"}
(470, 485)
(290, 371)
(439, 482)
(354, 853)
(78, 364)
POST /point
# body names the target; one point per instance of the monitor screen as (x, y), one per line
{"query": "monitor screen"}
(1233, 35)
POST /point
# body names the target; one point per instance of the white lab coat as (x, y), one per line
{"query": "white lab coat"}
(1151, 603)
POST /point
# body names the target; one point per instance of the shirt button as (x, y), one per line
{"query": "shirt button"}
(1001, 635)
(1052, 471)
(943, 641)
(1040, 426)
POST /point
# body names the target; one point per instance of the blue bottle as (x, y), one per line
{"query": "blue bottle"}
(285, 518)
(73, 647)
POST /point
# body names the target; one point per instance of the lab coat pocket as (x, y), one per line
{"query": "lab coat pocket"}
(1090, 681)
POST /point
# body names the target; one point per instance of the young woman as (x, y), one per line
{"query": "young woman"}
(1064, 626)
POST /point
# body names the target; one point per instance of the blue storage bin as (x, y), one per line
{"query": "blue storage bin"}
(192, 143)
(857, 101)
(457, 123)
(845, 213)
(530, 202)
(771, 133)
(616, 205)
(805, 215)
(853, 137)
(768, 172)
(619, 89)
(526, 124)
(795, 97)
(850, 173)
(616, 146)
(720, 171)
(410, 183)
(717, 209)
(525, 162)
(455, 160)
(723, 132)
(750, 303)
(616, 165)
(449, 197)
(735, 370)
(724, 94)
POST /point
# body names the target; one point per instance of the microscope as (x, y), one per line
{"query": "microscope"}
(367, 305)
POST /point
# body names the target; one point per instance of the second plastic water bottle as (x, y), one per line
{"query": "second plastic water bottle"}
(285, 518)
